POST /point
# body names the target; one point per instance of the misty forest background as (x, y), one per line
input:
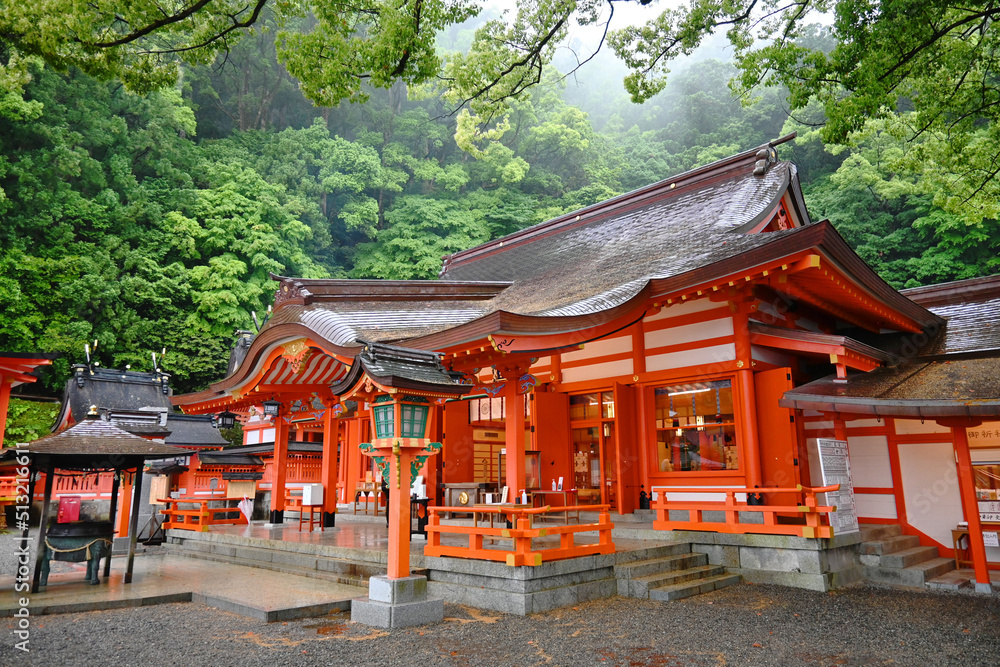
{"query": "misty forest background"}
(153, 222)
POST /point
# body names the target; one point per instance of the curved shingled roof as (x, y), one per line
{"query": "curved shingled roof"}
(582, 264)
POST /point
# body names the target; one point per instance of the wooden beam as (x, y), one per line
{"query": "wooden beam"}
(111, 517)
(43, 524)
(133, 527)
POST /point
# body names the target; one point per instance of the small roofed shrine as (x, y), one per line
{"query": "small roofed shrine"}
(89, 446)
(676, 350)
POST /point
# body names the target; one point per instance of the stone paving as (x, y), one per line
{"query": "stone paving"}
(745, 624)
(262, 594)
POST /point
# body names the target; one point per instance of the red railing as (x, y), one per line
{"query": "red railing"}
(521, 551)
(817, 522)
(199, 517)
(301, 469)
(82, 484)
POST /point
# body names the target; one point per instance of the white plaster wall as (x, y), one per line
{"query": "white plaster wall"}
(689, 333)
(870, 461)
(875, 505)
(608, 369)
(267, 435)
(691, 494)
(253, 437)
(543, 362)
(600, 348)
(982, 455)
(864, 423)
(817, 425)
(685, 308)
(930, 488)
(700, 357)
(913, 426)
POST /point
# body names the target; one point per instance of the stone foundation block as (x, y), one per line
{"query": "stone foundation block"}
(408, 614)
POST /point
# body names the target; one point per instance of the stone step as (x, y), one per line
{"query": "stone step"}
(641, 586)
(916, 576)
(275, 559)
(662, 551)
(952, 581)
(643, 568)
(871, 532)
(695, 587)
(909, 557)
(313, 573)
(888, 545)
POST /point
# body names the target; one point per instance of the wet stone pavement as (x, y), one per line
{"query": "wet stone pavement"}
(744, 625)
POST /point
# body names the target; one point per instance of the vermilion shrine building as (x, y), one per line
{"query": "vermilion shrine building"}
(698, 332)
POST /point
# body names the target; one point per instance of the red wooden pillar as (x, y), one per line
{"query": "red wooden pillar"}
(747, 413)
(514, 436)
(279, 470)
(353, 454)
(125, 504)
(399, 483)
(5, 384)
(331, 427)
(748, 426)
(967, 488)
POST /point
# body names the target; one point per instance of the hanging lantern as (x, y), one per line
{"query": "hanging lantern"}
(226, 419)
(271, 408)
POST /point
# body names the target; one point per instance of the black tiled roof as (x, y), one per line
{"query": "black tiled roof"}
(229, 459)
(963, 387)
(114, 389)
(971, 312)
(579, 268)
(268, 448)
(401, 367)
(578, 264)
(193, 431)
(100, 439)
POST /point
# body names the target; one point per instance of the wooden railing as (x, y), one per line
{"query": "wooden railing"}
(300, 469)
(817, 523)
(87, 485)
(521, 535)
(200, 518)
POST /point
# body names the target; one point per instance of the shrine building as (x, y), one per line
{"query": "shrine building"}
(699, 340)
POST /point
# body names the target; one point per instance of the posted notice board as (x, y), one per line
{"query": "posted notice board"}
(834, 467)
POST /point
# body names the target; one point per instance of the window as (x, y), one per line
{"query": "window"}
(696, 427)
(414, 420)
(487, 410)
(385, 419)
(593, 441)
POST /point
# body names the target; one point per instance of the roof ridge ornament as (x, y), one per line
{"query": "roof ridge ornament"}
(766, 156)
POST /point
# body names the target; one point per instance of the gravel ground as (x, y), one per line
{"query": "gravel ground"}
(744, 624)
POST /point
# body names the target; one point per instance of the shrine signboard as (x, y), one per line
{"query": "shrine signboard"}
(835, 468)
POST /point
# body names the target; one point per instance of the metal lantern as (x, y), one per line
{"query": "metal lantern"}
(227, 419)
(272, 408)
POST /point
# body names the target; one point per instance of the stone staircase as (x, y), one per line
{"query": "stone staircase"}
(889, 557)
(669, 573)
(290, 558)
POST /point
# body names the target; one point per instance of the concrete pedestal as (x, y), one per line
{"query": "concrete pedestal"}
(397, 603)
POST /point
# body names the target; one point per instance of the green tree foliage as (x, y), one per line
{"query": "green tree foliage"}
(155, 221)
(880, 207)
(28, 420)
(117, 228)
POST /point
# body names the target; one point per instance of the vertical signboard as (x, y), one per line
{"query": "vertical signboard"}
(835, 468)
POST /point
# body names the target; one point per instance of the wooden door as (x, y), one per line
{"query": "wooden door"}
(776, 435)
